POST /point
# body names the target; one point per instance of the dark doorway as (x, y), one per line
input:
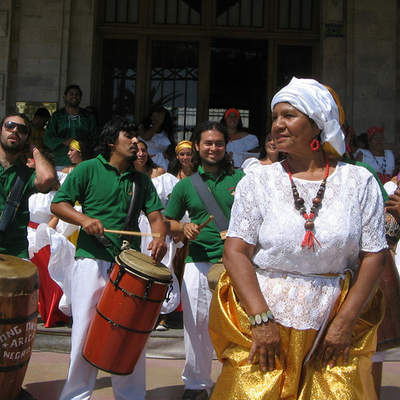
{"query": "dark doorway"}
(238, 79)
(119, 79)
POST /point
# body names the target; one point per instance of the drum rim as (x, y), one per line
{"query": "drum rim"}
(141, 274)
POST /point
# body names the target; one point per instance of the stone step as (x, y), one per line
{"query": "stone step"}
(164, 344)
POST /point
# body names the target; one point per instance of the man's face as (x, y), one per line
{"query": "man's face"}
(14, 134)
(126, 145)
(211, 147)
(73, 97)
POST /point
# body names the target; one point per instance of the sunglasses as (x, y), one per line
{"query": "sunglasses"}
(10, 125)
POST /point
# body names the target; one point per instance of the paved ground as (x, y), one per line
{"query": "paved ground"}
(47, 371)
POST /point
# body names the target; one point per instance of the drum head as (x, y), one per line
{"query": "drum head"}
(17, 276)
(144, 265)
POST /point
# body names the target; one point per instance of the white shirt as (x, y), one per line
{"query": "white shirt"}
(350, 220)
(383, 164)
(240, 148)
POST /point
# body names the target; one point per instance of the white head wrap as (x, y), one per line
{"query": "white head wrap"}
(314, 99)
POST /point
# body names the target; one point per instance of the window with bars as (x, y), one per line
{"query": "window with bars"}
(295, 14)
(177, 12)
(121, 11)
(174, 81)
(248, 13)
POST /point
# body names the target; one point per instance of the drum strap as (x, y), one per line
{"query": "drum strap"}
(209, 202)
(129, 219)
(14, 199)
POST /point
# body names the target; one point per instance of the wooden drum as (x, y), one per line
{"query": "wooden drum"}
(126, 313)
(19, 285)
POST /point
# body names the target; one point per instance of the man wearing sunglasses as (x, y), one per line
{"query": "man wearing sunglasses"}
(14, 214)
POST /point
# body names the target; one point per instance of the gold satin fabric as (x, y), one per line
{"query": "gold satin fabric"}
(231, 336)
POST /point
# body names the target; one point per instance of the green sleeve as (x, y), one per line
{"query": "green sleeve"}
(176, 206)
(73, 188)
(151, 200)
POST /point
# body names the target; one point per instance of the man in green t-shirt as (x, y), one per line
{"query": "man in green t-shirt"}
(14, 147)
(70, 122)
(205, 248)
(104, 187)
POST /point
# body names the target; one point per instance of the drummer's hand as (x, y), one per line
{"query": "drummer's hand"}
(191, 230)
(266, 342)
(393, 205)
(158, 249)
(92, 226)
(336, 344)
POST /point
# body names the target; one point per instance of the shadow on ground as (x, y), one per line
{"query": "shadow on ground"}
(390, 393)
(165, 393)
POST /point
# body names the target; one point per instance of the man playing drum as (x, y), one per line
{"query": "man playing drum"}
(104, 187)
(216, 170)
(14, 147)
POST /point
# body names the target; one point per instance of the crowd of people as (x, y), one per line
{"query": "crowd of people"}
(301, 223)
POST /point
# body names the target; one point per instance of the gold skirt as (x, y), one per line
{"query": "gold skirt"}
(231, 335)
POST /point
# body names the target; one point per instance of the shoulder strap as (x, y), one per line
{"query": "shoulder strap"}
(14, 198)
(209, 201)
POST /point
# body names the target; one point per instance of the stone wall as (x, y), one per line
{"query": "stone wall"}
(50, 47)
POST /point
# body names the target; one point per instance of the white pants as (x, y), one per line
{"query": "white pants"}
(196, 298)
(88, 278)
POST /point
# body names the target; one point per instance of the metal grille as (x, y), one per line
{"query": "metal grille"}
(177, 12)
(174, 81)
(240, 13)
(296, 14)
(121, 11)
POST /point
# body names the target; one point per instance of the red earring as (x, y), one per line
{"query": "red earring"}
(314, 145)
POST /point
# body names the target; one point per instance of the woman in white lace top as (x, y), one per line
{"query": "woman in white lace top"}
(293, 315)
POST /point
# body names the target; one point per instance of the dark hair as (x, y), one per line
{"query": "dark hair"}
(110, 133)
(42, 112)
(150, 164)
(167, 126)
(69, 87)
(239, 125)
(23, 116)
(226, 163)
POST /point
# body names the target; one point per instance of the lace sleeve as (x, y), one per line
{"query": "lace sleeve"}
(246, 218)
(372, 218)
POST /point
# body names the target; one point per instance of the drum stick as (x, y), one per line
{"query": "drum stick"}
(209, 219)
(133, 233)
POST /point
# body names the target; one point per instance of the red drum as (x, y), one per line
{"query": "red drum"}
(126, 313)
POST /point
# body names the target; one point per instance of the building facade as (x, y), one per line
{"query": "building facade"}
(199, 57)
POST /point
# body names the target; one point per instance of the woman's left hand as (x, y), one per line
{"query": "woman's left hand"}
(336, 344)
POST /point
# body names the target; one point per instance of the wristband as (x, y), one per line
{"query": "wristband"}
(261, 318)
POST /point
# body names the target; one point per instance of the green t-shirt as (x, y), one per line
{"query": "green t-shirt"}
(208, 245)
(14, 241)
(105, 194)
(373, 172)
(63, 126)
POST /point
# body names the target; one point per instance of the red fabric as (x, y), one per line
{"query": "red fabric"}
(373, 130)
(33, 225)
(231, 110)
(49, 292)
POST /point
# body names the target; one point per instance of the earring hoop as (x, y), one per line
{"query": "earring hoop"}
(315, 144)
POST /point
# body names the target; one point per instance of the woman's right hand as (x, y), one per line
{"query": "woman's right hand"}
(267, 343)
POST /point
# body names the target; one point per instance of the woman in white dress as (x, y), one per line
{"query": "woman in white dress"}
(241, 144)
(295, 315)
(380, 159)
(144, 163)
(158, 133)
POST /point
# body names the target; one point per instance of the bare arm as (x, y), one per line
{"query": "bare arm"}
(67, 212)
(189, 229)
(46, 176)
(337, 340)
(266, 337)
(157, 245)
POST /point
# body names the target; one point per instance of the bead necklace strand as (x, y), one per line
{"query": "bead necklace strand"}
(309, 236)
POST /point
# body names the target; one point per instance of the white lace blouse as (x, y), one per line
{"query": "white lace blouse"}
(350, 220)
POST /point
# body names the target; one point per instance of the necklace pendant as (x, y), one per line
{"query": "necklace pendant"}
(309, 225)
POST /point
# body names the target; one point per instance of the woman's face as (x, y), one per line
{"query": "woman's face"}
(232, 120)
(377, 142)
(292, 131)
(270, 146)
(185, 157)
(142, 154)
(74, 155)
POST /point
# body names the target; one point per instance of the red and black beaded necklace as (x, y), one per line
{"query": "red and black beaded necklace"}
(309, 236)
